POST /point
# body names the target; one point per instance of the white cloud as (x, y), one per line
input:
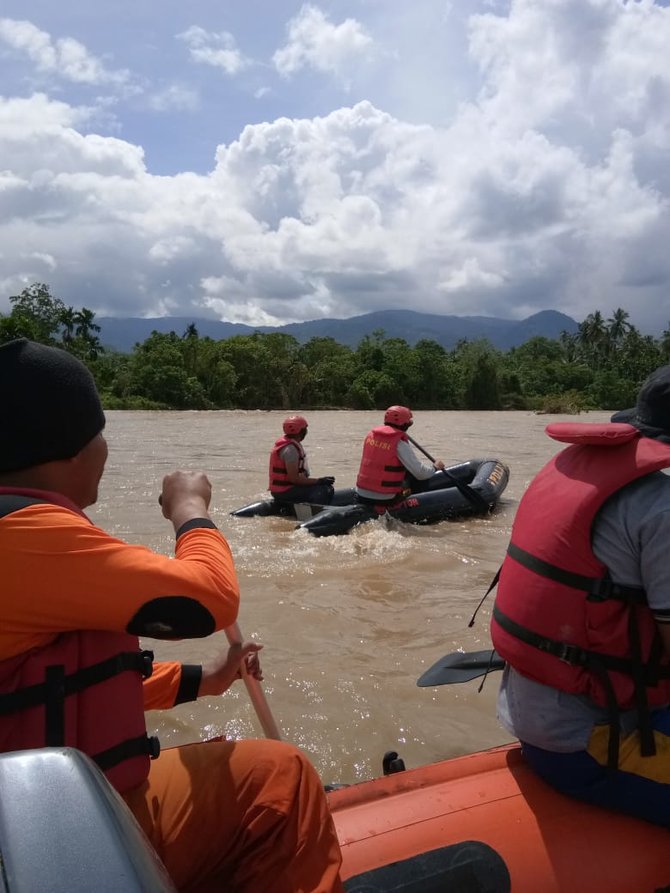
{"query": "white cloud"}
(470, 276)
(176, 97)
(576, 67)
(549, 189)
(218, 49)
(314, 42)
(39, 135)
(65, 57)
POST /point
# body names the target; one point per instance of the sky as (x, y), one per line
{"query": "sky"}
(270, 161)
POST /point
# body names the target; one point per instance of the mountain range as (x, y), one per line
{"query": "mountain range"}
(122, 333)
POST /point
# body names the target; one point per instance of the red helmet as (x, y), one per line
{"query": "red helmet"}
(294, 424)
(398, 415)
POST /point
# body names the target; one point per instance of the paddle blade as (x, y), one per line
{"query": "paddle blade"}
(461, 667)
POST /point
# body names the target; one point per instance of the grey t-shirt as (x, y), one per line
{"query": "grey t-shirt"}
(291, 453)
(631, 536)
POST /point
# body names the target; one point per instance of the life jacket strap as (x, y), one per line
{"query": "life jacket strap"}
(492, 586)
(54, 706)
(13, 502)
(598, 589)
(575, 655)
(143, 745)
(644, 724)
(613, 713)
(643, 675)
(58, 685)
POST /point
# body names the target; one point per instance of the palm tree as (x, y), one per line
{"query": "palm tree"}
(592, 337)
(84, 324)
(84, 329)
(568, 342)
(665, 344)
(191, 340)
(618, 327)
(67, 319)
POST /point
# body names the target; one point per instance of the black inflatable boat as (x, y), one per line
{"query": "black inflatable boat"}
(469, 488)
(299, 510)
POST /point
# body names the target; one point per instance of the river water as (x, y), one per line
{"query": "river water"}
(348, 623)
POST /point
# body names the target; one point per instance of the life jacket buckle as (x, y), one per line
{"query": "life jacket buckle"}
(601, 591)
(154, 747)
(570, 654)
(147, 664)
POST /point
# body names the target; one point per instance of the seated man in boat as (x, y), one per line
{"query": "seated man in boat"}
(222, 815)
(582, 614)
(290, 480)
(389, 466)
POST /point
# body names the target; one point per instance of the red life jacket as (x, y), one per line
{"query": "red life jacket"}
(279, 482)
(381, 471)
(83, 690)
(558, 618)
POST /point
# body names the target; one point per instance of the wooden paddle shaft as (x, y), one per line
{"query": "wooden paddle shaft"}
(255, 691)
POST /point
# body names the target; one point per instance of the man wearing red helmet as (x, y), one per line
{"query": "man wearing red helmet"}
(389, 463)
(289, 471)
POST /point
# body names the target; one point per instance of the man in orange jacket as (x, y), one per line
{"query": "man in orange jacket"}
(248, 816)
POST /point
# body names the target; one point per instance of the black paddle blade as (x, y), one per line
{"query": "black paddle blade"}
(461, 667)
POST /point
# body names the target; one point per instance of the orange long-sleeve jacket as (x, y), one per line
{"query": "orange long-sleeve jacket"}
(60, 573)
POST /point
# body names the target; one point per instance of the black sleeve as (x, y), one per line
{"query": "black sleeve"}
(191, 675)
(172, 617)
(175, 616)
(193, 523)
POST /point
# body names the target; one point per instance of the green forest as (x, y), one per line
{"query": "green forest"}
(601, 366)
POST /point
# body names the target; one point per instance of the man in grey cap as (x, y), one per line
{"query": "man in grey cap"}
(243, 815)
(582, 612)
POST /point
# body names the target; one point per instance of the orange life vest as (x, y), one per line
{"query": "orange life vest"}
(381, 471)
(279, 482)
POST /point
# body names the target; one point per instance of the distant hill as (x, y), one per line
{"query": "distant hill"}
(124, 332)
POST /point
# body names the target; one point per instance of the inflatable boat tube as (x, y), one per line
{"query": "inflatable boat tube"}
(470, 488)
(485, 823)
(299, 510)
(481, 823)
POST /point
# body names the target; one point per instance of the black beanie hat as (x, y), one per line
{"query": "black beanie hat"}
(651, 414)
(49, 405)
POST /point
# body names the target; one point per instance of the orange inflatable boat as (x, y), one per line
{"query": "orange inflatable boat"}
(484, 823)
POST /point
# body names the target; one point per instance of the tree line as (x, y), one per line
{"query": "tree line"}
(601, 366)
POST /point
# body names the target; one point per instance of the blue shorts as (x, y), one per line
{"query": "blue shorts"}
(639, 787)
